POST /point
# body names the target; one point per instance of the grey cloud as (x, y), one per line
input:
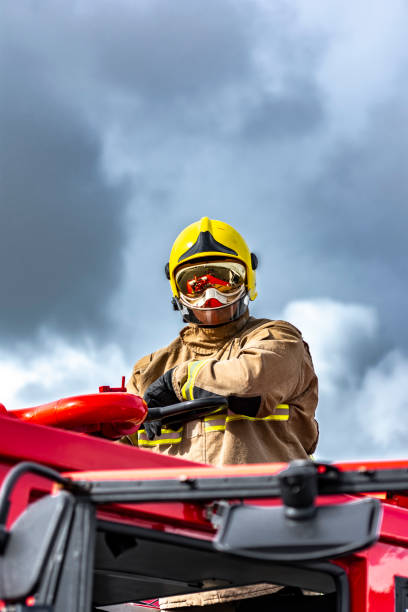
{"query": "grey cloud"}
(187, 70)
(58, 369)
(72, 73)
(360, 200)
(61, 232)
(36, 393)
(298, 110)
(369, 419)
(341, 232)
(156, 50)
(172, 50)
(363, 390)
(383, 401)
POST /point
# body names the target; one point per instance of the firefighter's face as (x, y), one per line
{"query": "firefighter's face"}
(217, 315)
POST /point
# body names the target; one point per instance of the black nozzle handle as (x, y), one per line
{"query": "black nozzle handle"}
(202, 406)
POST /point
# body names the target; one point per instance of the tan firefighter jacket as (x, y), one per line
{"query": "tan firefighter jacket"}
(265, 369)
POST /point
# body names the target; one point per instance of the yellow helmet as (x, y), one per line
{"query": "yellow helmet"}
(209, 238)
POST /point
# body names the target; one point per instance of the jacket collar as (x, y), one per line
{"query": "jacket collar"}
(206, 340)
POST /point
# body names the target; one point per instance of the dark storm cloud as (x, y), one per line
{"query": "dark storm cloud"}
(157, 50)
(356, 216)
(164, 50)
(351, 227)
(62, 223)
(61, 231)
(291, 114)
(65, 71)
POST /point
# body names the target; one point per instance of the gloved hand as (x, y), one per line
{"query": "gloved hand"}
(153, 429)
(160, 393)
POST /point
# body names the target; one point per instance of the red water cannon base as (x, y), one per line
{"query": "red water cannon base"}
(111, 413)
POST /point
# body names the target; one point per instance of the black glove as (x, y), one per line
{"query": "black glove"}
(160, 393)
(153, 429)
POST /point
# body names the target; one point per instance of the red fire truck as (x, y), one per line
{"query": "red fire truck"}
(86, 524)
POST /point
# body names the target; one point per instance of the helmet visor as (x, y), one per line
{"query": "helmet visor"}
(224, 276)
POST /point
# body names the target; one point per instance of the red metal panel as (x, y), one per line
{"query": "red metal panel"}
(372, 574)
(64, 451)
(356, 568)
(389, 464)
(384, 562)
(394, 528)
(181, 470)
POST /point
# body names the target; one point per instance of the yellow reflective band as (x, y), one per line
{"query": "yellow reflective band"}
(243, 417)
(193, 369)
(142, 441)
(215, 428)
(158, 442)
(271, 417)
(164, 430)
(213, 416)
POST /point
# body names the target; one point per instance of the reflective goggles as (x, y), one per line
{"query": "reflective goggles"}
(212, 298)
(225, 276)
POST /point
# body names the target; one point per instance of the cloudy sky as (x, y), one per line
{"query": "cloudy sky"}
(123, 121)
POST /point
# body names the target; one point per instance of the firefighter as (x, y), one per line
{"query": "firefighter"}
(262, 367)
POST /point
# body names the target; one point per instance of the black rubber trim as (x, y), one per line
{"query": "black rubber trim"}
(340, 579)
(248, 406)
(204, 243)
(401, 593)
(316, 575)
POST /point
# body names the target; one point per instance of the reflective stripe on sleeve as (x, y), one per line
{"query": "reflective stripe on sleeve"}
(168, 436)
(219, 422)
(215, 422)
(193, 369)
